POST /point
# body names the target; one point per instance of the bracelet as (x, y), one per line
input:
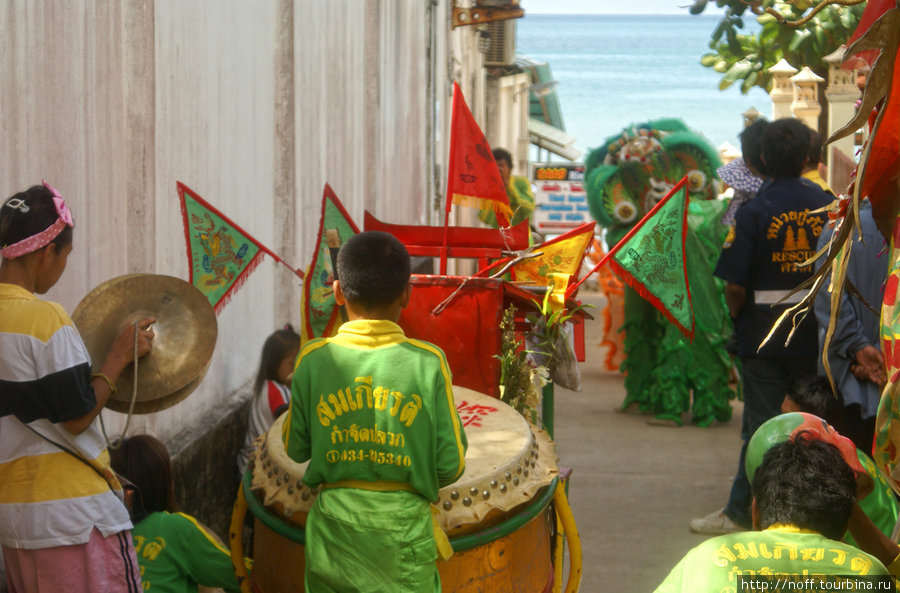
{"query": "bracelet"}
(112, 386)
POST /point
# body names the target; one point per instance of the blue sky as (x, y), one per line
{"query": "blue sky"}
(610, 7)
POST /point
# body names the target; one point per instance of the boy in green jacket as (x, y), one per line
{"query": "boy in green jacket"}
(373, 412)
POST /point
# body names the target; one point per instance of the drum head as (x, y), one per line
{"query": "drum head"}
(508, 462)
(186, 331)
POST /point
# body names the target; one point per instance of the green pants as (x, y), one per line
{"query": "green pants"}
(360, 540)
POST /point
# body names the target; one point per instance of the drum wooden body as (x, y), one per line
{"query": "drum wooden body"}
(497, 514)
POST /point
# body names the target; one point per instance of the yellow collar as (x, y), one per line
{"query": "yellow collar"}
(789, 528)
(370, 333)
(14, 291)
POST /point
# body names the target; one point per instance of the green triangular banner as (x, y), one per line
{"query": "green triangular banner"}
(319, 310)
(220, 254)
(650, 259)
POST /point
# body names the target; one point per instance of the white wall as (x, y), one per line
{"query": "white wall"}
(254, 105)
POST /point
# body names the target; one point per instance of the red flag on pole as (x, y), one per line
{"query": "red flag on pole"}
(473, 176)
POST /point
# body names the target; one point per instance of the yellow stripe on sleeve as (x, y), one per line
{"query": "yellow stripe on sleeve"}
(207, 534)
(448, 385)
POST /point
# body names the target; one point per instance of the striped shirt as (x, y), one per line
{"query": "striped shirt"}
(47, 496)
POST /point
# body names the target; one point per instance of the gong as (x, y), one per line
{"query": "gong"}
(185, 328)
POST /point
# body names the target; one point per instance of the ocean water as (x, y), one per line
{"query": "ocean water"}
(615, 70)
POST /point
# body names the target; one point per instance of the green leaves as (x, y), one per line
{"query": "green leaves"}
(697, 7)
(746, 57)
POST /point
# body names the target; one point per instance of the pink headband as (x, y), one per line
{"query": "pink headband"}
(35, 242)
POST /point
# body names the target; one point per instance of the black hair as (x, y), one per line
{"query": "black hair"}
(278, 345)
(373, 268)
(814, 154)
(28, 213)
(144, 461)
(814, 395)
(805, 482)
(784, 146)
(501, 154)
(751, 144)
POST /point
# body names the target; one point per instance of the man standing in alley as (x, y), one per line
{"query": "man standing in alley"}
(763, 259)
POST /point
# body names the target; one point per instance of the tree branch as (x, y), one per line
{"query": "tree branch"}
(758, 10)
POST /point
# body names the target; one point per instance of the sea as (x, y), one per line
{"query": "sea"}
(616, 70)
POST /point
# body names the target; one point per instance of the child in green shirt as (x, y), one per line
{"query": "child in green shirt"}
(373, 412)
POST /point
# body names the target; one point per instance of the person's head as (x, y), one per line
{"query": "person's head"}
(751, 146)
(373, 270)
(278, 355)
(861, 76)
(814, 395)
(144, 461)
(36, 230)
(804, 482)
(814, 154)
(785, 145)
(504, 163)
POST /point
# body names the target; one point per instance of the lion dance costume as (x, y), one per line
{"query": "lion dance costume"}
(626, 177)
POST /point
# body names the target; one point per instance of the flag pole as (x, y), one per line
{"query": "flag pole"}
(444, 245)
(615, 248)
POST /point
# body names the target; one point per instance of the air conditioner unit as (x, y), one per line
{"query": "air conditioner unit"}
(502, 51)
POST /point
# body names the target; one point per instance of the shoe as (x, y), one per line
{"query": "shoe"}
(715, 523)
(632, 408)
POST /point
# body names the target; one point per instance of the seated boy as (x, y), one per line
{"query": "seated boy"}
(373, 412)
(803, 494)
(814, 395)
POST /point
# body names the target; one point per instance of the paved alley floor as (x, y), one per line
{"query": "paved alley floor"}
(635, 487)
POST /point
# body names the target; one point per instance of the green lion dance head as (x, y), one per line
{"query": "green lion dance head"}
(635, 169)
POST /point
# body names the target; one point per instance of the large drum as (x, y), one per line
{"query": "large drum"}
(497, 514)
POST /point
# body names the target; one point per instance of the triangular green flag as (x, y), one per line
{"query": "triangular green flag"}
(319, 310)
(220, 254)
(650, 259)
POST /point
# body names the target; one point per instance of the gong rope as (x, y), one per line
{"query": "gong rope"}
(118, 442)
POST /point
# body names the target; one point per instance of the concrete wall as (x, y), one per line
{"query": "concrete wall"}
(254, 105)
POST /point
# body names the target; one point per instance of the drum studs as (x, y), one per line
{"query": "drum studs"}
(502, 487)
(467, 501)
(448, 505)
(278, 481)
(287, 477)
(291, 489)
(454, 495)
(304, 495)
(299, 484)
(518, 469)
(314, 491)
(486, 494)
(508, 476)
(525, 472)
(272, 472)
(516, 481)
(473, 491)
(494, 483)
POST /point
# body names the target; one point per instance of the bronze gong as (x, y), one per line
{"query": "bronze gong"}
(185, 327)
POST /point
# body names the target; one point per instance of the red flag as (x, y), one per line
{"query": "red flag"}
(473, 177)
(878, 165)
(874, 10)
